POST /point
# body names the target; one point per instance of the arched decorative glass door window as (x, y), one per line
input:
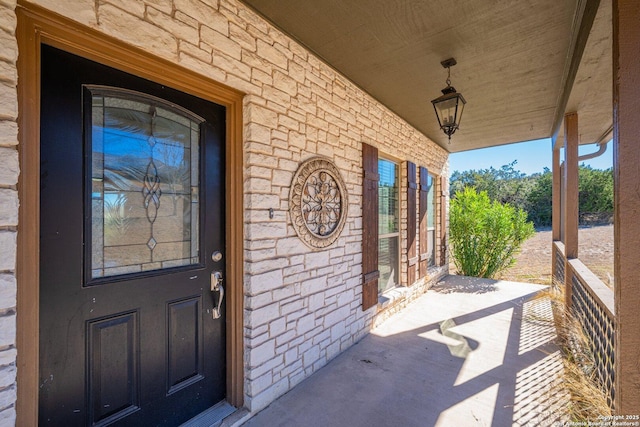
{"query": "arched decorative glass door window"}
(144, 168)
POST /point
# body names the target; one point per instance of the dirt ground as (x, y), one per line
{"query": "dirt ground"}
(533, 264)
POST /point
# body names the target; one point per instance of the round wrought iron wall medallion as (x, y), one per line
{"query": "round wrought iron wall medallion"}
(318, 202)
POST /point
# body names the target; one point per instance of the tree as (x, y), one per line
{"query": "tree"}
(506, 184)
(533, 193)
(539, 199)
(596, 189)
(485, 235)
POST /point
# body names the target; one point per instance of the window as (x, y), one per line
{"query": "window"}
(388, 225)
(431, 223)
(145, 183)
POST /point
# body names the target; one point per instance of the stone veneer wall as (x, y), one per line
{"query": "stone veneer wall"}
(8, 209)
(302, 307)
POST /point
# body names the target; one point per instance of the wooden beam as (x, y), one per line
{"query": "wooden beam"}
(585, 14)
(555, 198)
(570, 184)
(570, 205)
(626, 167)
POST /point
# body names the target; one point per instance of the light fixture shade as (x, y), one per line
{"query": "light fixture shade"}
(448, 109)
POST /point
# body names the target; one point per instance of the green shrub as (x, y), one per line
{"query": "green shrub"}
(485, 236)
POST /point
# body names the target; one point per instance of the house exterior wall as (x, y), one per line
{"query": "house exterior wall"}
(9, 171)
(302, 307)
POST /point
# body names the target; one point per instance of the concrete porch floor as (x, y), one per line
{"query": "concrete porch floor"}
(470, 352)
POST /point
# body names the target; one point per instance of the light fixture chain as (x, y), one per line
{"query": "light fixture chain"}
(448, 81)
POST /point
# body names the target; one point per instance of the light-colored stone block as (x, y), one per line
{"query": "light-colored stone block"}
(272, 55)
(198, 10)
(165, 6)
(317, 284)
(185, 47)
(136, 8)
(8, 137)
(7, 251)
(268, 395)
(8, 100)
(8, 357)
(242, 37)
(127, 27)
(258, 114)
(8, 416)
(277, 327)
(175, 27)
(83, 11)
(7, 331)
(8, 207)
(263, 315)
(7, 375)
(285, 83)
(221, 42)
(258, 133)
(7, 400)
(317, 259)
(261, 353)
(270, 230)
(8, 20)
(265, 282)
(7, 296)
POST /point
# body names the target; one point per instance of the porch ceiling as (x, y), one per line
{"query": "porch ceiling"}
(516, 59)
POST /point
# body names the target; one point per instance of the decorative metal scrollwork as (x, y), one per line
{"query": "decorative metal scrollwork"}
(151, 184)
(318, 202)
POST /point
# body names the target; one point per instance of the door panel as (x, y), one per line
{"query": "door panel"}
(184, 345)
(113, 382)
(132, 179)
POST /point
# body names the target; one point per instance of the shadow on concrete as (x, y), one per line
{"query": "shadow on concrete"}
(425, 368)
(470, 285)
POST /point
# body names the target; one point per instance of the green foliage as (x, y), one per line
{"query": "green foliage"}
(533, 193)
(539, 199)
(596, 189)
(502, 184)
(485, 235)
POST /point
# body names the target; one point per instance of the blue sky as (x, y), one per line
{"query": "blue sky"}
(532, 157)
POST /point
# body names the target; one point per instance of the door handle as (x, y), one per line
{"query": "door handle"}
(216, 286)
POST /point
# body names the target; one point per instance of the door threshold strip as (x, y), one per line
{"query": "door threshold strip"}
(211, 416)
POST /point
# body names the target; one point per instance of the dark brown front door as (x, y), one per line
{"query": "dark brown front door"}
(132, 232)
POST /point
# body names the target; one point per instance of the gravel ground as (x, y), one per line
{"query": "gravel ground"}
(533, 264)
(595, 250)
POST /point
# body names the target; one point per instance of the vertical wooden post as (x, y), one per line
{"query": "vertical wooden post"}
(555, 198)
(626, 166)
(570, 211)
(556, 211)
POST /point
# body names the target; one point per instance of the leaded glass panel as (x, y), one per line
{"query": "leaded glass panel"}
(145, 184)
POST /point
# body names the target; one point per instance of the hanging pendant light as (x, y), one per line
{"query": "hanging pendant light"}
(449, 106)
